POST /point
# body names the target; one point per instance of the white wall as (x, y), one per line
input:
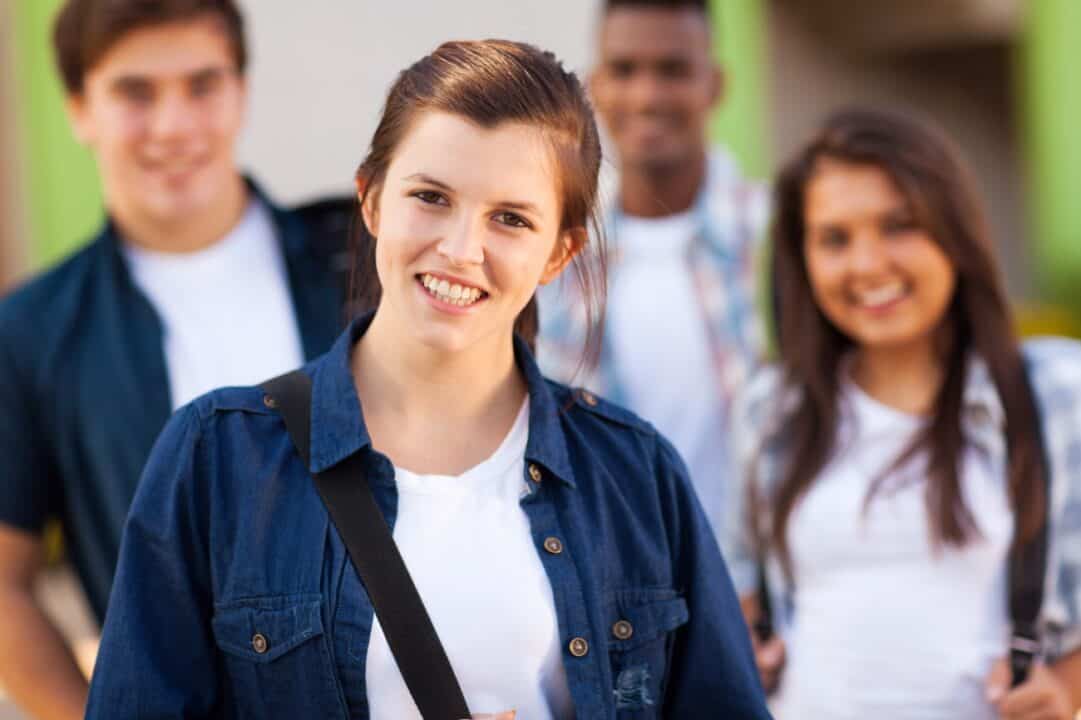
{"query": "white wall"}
(320, 71)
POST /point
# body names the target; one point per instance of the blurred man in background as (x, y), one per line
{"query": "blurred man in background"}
(196, 280)
(681, 330)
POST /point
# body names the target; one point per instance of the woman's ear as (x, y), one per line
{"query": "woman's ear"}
(569, 244)
(369, 209)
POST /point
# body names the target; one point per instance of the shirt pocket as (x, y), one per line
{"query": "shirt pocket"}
(641, 633)
(276, 658)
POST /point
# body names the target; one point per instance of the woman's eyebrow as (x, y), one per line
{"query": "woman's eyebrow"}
(519, 205)
(424, 178)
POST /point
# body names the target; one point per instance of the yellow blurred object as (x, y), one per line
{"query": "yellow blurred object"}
(53, 537)
(1037, 319)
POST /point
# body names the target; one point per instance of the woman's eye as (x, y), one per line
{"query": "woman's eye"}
(833, 238)
(430, 197)
(509, 218)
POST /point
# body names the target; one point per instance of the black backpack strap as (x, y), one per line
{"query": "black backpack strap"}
(1027, 570)
(348, 497)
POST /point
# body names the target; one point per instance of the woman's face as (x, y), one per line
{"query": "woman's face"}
(467, 223)
(878, 276)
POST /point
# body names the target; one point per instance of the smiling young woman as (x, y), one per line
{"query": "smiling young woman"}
(554, 539)
(893, 458)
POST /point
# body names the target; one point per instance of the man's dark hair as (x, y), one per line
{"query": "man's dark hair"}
(86, 29)
(702, 5)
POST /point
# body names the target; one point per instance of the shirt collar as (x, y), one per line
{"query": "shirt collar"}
(293, 242)
(722, 205)
(338, 428)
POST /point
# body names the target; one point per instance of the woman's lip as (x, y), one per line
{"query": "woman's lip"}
(883, 307)
(445, 306)
(453, 280)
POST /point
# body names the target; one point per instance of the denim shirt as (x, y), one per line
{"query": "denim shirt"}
(1054, 371)
(84, 390)
(228, 540)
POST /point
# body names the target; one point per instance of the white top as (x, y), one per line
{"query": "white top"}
(657, 330)
(226, 312)
(885, 626)
(468, 546)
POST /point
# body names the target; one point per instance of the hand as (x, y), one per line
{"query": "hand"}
(1041, 697)
(769, 655)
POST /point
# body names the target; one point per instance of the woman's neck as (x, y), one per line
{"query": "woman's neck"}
(907, 378)
(431, 412)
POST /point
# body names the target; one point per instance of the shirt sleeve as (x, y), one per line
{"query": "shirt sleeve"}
(29, 491)
(712, 664)
(1061, 617)
(736, 541)
(157, 657)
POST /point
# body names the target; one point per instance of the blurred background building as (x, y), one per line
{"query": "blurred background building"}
(996, 74)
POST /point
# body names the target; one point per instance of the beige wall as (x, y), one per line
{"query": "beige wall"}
(321, 70)
(963, 85)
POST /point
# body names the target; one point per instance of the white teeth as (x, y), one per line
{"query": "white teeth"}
(882, 295)
(453, 294)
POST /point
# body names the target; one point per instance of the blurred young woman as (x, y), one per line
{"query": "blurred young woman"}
(554, 539)
(894, 457)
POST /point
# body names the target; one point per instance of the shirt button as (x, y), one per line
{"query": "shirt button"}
(553, 545)
(270, 402)
(578, 647)
(534, 473)
(622, 630)
(259, 643)
(589, 398)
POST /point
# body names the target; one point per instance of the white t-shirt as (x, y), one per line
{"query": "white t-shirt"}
(885, 625)
(226, 312)
(469, 549)
(658, 336)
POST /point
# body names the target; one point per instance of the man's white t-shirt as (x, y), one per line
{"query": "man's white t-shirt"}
(658, 336)
(886, 625)
(469, 549)
(226, 312)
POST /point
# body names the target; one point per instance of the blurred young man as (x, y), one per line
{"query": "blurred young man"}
(681, 329)
(196, 280)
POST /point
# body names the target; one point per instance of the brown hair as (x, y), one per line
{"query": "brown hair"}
(491, 82)
(928, 172)
(86, 29)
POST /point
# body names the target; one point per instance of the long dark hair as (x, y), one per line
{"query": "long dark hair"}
(928, 172)
(491, 82)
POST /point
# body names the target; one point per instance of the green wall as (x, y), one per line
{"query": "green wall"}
(62, 184)
(1050, 92)
(739, 29)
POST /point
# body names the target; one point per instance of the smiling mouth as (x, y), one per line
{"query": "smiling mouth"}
(451, 293)
(883, 296)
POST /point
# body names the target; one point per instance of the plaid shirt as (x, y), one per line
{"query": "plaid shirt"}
(1054, 366)
(731, 216)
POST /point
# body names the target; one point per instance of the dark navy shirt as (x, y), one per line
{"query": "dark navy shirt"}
(234, 596)
(84, 390)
